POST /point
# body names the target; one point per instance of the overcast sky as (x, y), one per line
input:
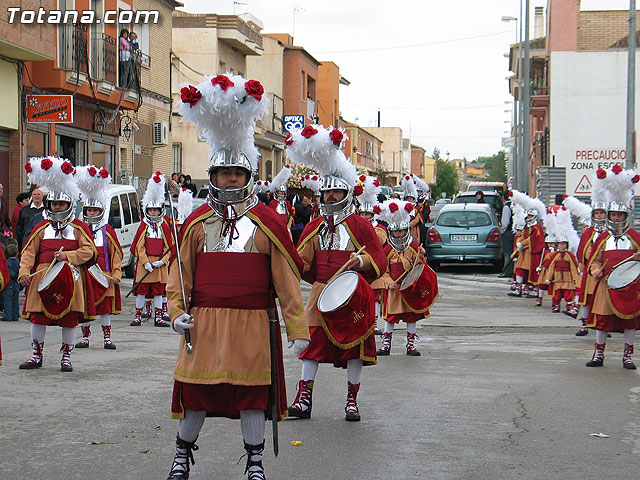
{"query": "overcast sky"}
(435, 68)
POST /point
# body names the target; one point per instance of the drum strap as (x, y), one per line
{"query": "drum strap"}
(105, 246)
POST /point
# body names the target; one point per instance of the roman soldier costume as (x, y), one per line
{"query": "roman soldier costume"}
(618, 245)
(152, 247)
(312, 182)
(280, 203)
(326, 244)
(53, 263)
(106, 273)
(236, 256)
(408, 185)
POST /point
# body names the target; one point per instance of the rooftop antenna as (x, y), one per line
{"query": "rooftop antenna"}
(296, 10)
(236, 4)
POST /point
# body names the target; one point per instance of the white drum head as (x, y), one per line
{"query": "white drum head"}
(50, 276)
(624, 274)
(338, 291)
(96, 272)
(412, 276)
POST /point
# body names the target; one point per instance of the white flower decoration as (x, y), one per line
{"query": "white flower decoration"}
(62, 115)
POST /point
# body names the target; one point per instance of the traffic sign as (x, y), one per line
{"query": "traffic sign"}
(293, 122)
(584, 186)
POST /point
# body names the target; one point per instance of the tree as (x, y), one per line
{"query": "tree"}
(495, 166)
(436, 153)
(447, 179)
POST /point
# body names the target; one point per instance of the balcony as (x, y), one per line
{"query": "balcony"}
(73, 51)
(103, 62)
(235, 32)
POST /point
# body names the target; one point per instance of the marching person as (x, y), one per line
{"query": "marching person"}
(545, 288)
(312, 182)
(92, 181)
(562, 273)
(327, 243)
(58, 240)
(151, 246)
(281, 203)
(403, 252)
(618, 244)
(235, 256)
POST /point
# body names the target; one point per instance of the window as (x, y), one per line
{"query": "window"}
(177, 157)
(135, 207)
(115, 220)
(223, 67)
(464, 219)
(102, 155)
(126, 210)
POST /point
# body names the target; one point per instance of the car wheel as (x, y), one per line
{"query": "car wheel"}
(497, 266)
(129, 270)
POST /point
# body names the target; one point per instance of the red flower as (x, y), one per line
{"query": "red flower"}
(408, 208)
(407, 177)
(357, 190)
(362, 178)
(185, 189)
(92, 171)
(190, 95)
(393, 207)
(156, 179)
(46, 164)
(287, 166)
(336, 137)
(565, 197)
(288, 141)
(29, 168)
(315, 178)
(254, 88)
(510, 193)
(377, 210)
(67, 167)
(601, 174)
(376, 183)
(223, 81)
(636, 179)
(104, 173)
(616, 168)
(158, 172)
(564, 208)
(259, 182)
(307, 177)
(308, 131)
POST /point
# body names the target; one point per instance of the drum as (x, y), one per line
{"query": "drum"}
(419, 288)
(99, 282)
(347, 309)
(623, 289)
(57, 290)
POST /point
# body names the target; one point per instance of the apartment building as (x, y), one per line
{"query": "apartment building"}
(362, 147)
(396, 152)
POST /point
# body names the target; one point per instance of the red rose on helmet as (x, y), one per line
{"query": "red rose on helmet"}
(190, 95)
(377, 210)
(601, 174)
(288, 141)
(315, 178)
(636, 179)
(67, 167)
(357, 190)
(362, 178)
(376, 183)
(408, 208)
(29, 168)
(307, 177)
(104, 173)
(254, 88)
(92, 171)
(308, 131)
(564, 208)
(156, 179)
(510, 193)
(46, 164)
(287, 166)
(223, 81)
(336, 137)
(259, 182)
(565, 197)
(393, 207)
(616, 168)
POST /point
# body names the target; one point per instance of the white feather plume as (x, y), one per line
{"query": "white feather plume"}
(565, 229)
(92, 184)
(518, 217)
(409, 187)
(370, 190)
(312, 182)
(421, 184)
(578, 208)
(620, 187)
(599, 188)
(54, 178)
(261, 186)
(155, 192)
(185, 204)
(281, 178)
(226, 118)
(550, 222)
(320, 153)
(528, 203)
(399, 216)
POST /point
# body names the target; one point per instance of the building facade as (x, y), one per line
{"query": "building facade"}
(395, 152)
(363, 148)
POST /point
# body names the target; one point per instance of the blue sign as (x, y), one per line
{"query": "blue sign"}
(293, 122)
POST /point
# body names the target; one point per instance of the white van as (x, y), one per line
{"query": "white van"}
(123, 213)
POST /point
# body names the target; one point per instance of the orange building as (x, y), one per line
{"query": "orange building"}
(328, 104)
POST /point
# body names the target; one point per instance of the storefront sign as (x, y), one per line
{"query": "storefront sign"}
(50, 108)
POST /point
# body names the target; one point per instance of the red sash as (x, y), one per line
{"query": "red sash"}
(50, 246)
(154, 246)
(329, 262)
(231, 280)
(395, 269)
(562, 266)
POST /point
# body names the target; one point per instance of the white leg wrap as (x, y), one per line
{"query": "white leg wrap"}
(69, 335)
(140, 304)
(601, 337)
(388, 328)
(252, 425)
(157, 301)
(189, 426)
(309, 370)
(411, 327)
(584, 311)
(38, 332)
(629, 336)
(105, 320)
(354, 370)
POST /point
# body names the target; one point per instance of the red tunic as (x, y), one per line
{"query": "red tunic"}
(109, 304)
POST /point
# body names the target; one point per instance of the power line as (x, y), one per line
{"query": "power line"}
(425, 108)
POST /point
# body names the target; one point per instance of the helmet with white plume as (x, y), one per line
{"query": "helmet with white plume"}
(185, 204)
(409, 188)
(92, 182)
(366, 193)
(154, 197)
(397, 215)
(279, 183)
(533, 207)
(618, 185)
(422, 187)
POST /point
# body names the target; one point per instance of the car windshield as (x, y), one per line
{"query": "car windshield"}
(443, 201)
(492, 200)
(464, 219)
(203, 193)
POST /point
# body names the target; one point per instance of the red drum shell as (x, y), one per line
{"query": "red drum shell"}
(57, 290)
(99, 282)
(623, 289)
(419, 288)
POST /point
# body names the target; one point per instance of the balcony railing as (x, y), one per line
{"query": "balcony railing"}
(73, 47)
(103, 57)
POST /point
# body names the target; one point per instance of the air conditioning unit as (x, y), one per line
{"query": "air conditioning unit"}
(160, 133)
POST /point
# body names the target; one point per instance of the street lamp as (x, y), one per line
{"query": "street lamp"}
(517, 100)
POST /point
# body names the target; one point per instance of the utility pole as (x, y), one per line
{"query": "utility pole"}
(523, 170)
(631, 89)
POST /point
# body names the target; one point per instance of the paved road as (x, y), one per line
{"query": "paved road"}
(500, 392)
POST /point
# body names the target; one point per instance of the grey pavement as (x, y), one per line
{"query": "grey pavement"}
(500, 392)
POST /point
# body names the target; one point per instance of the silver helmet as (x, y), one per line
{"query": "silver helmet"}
(330, 182)
(619, 228)
(220, 198)
(153, 218)
(598, 224)
(92, 203)
(531, 217)
(399, 244)
(61, 219)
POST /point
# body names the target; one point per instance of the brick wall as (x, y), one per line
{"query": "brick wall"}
(599, 30)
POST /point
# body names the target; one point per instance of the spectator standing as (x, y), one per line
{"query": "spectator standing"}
(22, 200)
(301, 217)
(174, 188)
(180, 179)
(5, 221)
(506, 236)
(136, 57)
(10, 295)
(125, 57)
(480, 196)
(189, 185)
(26, 215)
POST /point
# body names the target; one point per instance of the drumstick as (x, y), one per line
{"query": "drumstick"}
(39, 271)
(109, 276)
(344, 267)
(53, 262)
(415, 262)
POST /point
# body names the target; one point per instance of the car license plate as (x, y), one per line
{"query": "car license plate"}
(464, 238)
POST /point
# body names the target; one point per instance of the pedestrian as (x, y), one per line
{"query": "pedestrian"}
(4, 282)
(302, 216)
(59, 244)
(10, 301)
(619, 243)
(5, 221)
(180, 179)
(479, 196)
(124, 48)
(151, 246)
(174, 188)
(187, 184)
(22, 200)
(27, 214)
(92, 182)
(506, 236)
(247, 259)
(312, 184)
(326, 244)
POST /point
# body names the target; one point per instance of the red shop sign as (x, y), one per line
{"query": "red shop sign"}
(50, 108)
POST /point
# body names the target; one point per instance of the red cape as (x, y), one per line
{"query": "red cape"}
(602, 239)
(585, 241)
(266, 219)
(570, 257)
(362, 233)
(77, 224)
(4, 272)
(536, 234)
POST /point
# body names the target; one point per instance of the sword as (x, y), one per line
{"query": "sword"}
(274, 329)
(145, 275)
(187, 333)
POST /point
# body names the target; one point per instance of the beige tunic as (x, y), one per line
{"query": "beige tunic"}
(381, 232)
(395, 304)
(231, 345)
(159, 274)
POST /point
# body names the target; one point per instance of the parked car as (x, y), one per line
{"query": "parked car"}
(386, 191)
(435, 209)
(398, 189)
(487, 187)
(491, 198)
(466, 232)
(124, 215)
